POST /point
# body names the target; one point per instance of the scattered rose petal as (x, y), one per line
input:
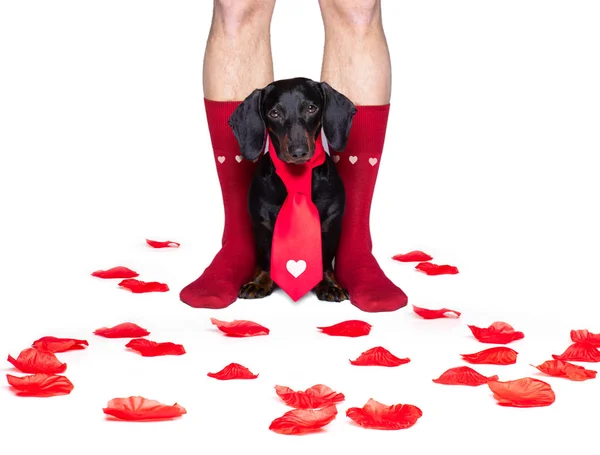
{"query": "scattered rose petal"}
(579, 352)
(498, 332)
(149, 348)
(434, 269)
(434, 314)
(378, 356)
(378, 416)
(352, 328)
(115, 272)
(139, 408)
(586, 337)
(413, 256)
(54, 344)
(125, 330)
(233, 371)
(522, 393)
(139, 287)
(240, 328)
(463, 376)
(317, 396)
(301, 421)
(167, 244)
(40, 385)
(31, 360)
(493, 356)
(567, 370)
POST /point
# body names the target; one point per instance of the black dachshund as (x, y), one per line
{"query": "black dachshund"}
(293, 111)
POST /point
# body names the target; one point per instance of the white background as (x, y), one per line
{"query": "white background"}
(489, 165)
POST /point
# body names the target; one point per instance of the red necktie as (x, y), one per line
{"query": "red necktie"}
(296, 260)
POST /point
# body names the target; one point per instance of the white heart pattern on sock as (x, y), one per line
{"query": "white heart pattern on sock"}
(335, 158)
(238, 158)
(220, 159)
(296, 268)
(372, 161)
(353, 159)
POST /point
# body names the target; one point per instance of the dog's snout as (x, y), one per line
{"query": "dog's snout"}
(299, 153)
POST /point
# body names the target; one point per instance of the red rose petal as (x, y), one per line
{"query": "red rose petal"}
(233, 371)
(240, 328)
(40, 385)
(149, 348)
(413, 256)
(301, 421)
(139, 408)
(586, 337)
(115, 272)
(378, 416)
(494, 356)
(522, 393)
(497, 333)
(139, 287)
(317, 396)
(463, 376)
(352, 328)
(434, 269)
(31, 360)
(378, 356)
(580, 352)
(567, 370)
(54, 344)
(434, 314)
(124, 330)
(167, 244)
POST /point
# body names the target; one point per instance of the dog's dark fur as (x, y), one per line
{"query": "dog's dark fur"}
(293, 111)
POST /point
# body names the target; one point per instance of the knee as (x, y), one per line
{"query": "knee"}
(235, 15)
(357, 14)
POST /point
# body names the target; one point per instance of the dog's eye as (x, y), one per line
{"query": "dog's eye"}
(311, 108)
(274, 114)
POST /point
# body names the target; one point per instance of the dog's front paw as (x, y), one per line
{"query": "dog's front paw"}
(330, 290)
(255, 290)
(261, 286)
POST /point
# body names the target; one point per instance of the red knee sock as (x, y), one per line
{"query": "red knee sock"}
(355, 267)
(234, 265)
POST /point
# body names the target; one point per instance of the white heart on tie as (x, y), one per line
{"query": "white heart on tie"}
(220, 159)
(372, 161)
(238, 158)
(353, 159)
(335, 158)
(296, 268)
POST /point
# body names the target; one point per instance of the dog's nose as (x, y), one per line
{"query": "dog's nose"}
(299, 153)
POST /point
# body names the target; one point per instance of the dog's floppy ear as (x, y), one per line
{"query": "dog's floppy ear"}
(337, 117)
(248, 126)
